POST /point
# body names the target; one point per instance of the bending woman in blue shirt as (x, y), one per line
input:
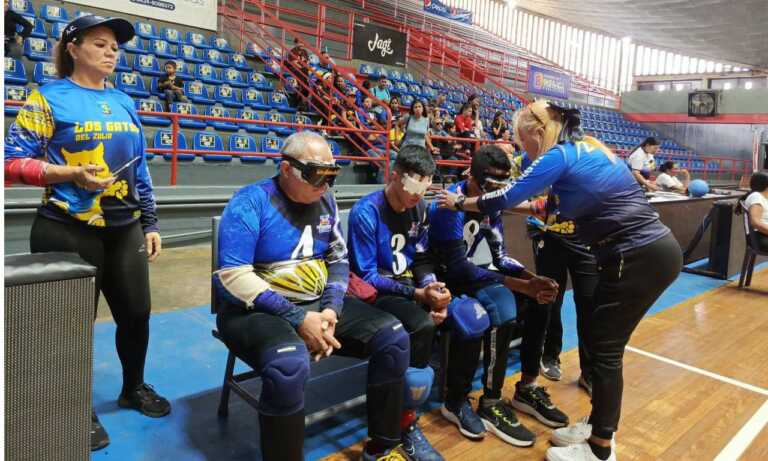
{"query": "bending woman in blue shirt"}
(638, 258)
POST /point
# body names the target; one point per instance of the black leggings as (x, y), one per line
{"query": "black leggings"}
(120, 257)
(629, 285)
(556, 259)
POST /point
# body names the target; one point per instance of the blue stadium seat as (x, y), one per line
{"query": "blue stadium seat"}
(38, 27)
(131, 83)
(220, 43)
(208, 74)
(170, 35)
(336, 151)
(253, 50)
(14, 71)
(81, 13)
(228, 96)
(23, 7)
(271, 145)
(255, 99)
(161, 49)
(147, 64)
(189, 53)
(274, 53)
(408, 77)
(272, 67)
(216, 58)
(313, 60)
(279, 101)
(53, 13)
(14, 93)
(415, 89)
(279, 129)
(210, 141)
(122, 64)
(188, 109)
(198, 92)
(164, 140)
(37, 49)
(151, 105)
(197, 40)
(239, 143)
(146, 30)
(260, 82)
(395, 75)
(250, 114)
(57, 28)
(183, 70)
(302, 120)
(134, 45)
(44, 72)
(239, 62)
(400, 88)
(218, 111)
(233, 77)
(406, 100)
(365, 69)
(153, 90)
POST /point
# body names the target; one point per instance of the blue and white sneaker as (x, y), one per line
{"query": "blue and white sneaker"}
(416, 445)
(465, 418)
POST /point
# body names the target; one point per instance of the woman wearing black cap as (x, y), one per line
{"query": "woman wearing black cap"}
(85, 145)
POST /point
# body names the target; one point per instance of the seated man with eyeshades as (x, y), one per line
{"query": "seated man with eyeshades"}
(282, 281)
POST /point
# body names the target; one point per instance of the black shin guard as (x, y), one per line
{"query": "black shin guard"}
(282, 437)
(384, 403)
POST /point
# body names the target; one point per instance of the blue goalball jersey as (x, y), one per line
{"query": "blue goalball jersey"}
(63, 123)
(454, 238)
(389, 249)
(594, 188)
(296, 249)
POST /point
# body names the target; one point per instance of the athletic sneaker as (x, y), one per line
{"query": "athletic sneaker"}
(550, 369)
(417, 447)
(146, 400)
(99, 437)
(469, 424)
(572, 435)
(394, 454)
(578, 452)
(586, 384)
(535, 401)
(500, 419)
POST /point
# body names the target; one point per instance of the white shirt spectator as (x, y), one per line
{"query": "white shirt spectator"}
(756, 198)
(640, 160)
(668, 182)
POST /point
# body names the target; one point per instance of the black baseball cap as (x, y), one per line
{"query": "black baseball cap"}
(123, 29)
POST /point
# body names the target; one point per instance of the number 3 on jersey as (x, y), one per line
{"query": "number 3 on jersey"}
(471, 228)
(399, 263)
(305, 247)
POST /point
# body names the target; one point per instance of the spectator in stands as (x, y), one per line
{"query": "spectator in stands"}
(276, 325)
(638, 255)
(388, 248)
(171, 85)
(298, 53)
(394, 107)
(498, 124)
(508, 146)
(325, 101)
(642, 163)
(441, 104)
(668, 181)
(756, 202)
(465, 126)
(444, 147)
(98, 201)
(474, 101)
(325, 62)
(360, 96)
(416, 128)
(298, 66)
(341, 85)
(381, 90)
(14, 42)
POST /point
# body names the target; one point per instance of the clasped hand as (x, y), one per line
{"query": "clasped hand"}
(318, 330)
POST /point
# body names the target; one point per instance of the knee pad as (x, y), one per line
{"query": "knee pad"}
(418, 385)
(284, 375)
(468, 320)
(390, 350)
(499, 302)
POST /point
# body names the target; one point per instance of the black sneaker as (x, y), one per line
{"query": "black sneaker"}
(500, 419)
(535, 401)
(99, 437)
(146, 400)
(550, 369)
(586, 384)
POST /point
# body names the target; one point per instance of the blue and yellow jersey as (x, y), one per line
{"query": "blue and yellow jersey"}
(296, 249)
(454, 237)
(389, 249)
(594, 189)
(63, 123)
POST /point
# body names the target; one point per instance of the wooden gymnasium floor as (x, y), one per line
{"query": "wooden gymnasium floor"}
(696, 387)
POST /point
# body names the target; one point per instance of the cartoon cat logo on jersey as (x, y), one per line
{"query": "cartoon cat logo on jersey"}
(105, 109)
(324, 226)
(414, 230)
(93, 215)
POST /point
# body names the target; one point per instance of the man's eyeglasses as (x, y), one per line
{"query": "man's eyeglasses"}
(314, 173)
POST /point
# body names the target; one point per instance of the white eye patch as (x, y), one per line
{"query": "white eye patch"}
(416, 184)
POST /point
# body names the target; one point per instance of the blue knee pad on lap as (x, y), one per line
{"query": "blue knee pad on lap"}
(284, 375)
(418, 385)
(499, 302)
(467, 318)
(390, 352)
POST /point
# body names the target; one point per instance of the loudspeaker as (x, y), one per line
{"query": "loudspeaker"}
(49, 309)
